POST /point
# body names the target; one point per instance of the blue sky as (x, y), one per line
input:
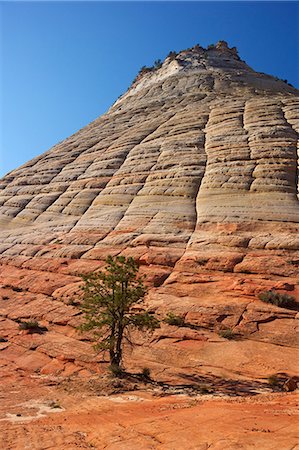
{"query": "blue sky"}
(64, 63)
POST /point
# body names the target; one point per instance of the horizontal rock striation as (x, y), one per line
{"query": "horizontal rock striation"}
(194, 172)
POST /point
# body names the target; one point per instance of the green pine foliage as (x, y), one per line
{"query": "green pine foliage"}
(157, 64)
(173, 319)
(108, 306)
(172, 55)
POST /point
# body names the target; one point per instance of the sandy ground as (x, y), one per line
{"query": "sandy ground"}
(38, 414)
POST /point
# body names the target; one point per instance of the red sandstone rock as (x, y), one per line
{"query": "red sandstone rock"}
(32, 361)
(54, 367)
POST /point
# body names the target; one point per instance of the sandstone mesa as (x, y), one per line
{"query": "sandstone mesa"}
(193, 172)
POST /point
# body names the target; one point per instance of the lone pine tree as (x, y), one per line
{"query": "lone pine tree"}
(108, 306)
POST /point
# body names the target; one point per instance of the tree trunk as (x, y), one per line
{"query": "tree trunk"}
(112, 355)
(118, 348)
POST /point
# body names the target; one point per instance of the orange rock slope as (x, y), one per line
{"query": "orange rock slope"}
(194, 172)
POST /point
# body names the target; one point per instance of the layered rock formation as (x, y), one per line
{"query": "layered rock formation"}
(194, 172)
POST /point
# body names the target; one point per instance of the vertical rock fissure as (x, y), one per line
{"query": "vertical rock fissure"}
(250, 158)
(205, 166)
(295, 127)
(207, 118)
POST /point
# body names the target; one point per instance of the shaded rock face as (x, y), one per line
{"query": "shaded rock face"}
(194, 172)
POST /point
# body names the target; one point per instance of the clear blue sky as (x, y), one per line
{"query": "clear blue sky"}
(64, 63)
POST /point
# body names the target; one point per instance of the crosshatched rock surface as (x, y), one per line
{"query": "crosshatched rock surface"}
(193, 171)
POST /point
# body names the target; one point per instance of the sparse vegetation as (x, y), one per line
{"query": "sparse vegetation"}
(277, 299)
(29, 325)
(171, 55)
(197, 47)
(142, 71)
(110, 297)
(228, 334)
(284, 81)
(32, 326)
(211, 46)
(173, 319)
(157, 64)
(273, 380)
(145, 69)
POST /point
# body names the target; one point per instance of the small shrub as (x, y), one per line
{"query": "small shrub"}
(145, 69)
(171, 55)
(273, 380)
(157, 64)
(173, 319)
(197, 47)
(142, 71)
(16, 289)
(146, 372)
(30, 325)
(228, 334)
(211, 46)
(277, 299)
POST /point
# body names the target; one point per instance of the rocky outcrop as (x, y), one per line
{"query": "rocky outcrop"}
(194, 172)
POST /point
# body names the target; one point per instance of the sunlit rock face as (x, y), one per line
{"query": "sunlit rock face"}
(193, 171)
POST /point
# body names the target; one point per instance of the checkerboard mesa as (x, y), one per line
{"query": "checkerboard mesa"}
(193, 172)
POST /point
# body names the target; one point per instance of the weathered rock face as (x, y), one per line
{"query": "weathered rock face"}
(193, 171)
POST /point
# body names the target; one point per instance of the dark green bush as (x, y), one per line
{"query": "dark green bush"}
(227, 334)
(32, 326)
(173, 319)
(157, 64)
(145, 69)
(277, 299)
(29, 325)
